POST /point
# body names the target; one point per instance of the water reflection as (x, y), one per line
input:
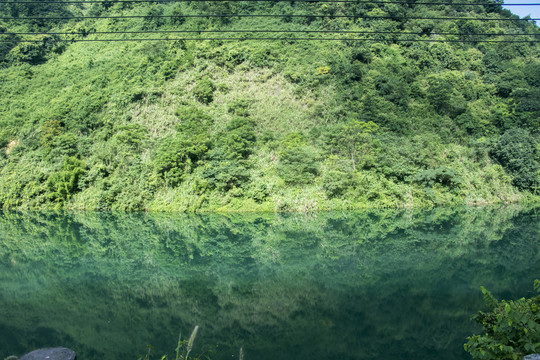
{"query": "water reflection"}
(366, 285)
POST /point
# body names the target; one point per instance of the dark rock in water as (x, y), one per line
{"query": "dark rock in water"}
(59, 353)
(532, 357)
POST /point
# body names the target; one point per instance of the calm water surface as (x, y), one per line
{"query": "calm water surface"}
(366, 285)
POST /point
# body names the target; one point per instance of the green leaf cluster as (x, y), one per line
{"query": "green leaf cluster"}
(63, 184)
(517, 151)
(511, 328)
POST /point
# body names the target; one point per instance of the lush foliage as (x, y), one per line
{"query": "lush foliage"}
(284, 125)
(512, 328)
(517, 151)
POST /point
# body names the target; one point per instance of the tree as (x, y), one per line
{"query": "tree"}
(445, 93)
(357, 137)
(516, 151)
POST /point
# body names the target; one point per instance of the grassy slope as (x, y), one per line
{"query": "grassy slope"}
(111, 105)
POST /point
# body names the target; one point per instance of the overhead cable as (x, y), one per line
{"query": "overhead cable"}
(261, 31)
(261, 16)
(300, 1)
(283, 39)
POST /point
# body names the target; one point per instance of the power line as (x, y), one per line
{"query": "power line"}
(261, 16)
(307, 1)
(285, 39)
(262, 31)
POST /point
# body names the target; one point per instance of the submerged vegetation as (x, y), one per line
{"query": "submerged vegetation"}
(283, 125)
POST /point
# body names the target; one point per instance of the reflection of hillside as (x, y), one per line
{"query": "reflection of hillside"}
(331, 285)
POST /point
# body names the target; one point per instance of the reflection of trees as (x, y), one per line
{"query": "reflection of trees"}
(314, 286)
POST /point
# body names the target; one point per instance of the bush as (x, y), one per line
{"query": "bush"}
(442, 175)
(337, 182)
(516, 152)
(223, 173)
(63, 184)
(153, 18)
(444, 94)
(6, 45)
(178, 156)
(204, 91)
(512, 328)
(49, 131)
(129, 136)
(258, 192)
(36, 52)
(239, 138)
(65, 145)
(192, 120)
(293, 140)
(298, 165)
(239, 107)
(177, 14)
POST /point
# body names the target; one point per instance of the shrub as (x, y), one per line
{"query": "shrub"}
(178, 156)
(153, 18)
(36, 52)
(177, 14)
(239, 138)
(204, 91)
(442, 175)
(239, 107)
(444, 94)
(223, 173)
(511, 328)
(65, 145)
(293, 140)
(6, 45)
(337, 182)
(129, 136)
(267, 137)
(3, 143)
(192, 120)
(258, 192)
(516, 151)
(63, 184)
(49, 131)
(298, 165)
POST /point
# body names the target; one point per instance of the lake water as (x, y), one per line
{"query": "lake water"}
(381, 284)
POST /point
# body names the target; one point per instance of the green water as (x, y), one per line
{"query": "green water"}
(369, 285)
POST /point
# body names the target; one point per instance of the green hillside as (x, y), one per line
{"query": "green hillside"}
(440, 104)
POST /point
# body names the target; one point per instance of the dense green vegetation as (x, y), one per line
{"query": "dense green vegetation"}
(381, 284)
(511, 328)
(284, 125)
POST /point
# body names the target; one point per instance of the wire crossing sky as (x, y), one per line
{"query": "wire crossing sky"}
(264, 31)
(523, 3)
(351, 16)
(288, 39)
(524, 10)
